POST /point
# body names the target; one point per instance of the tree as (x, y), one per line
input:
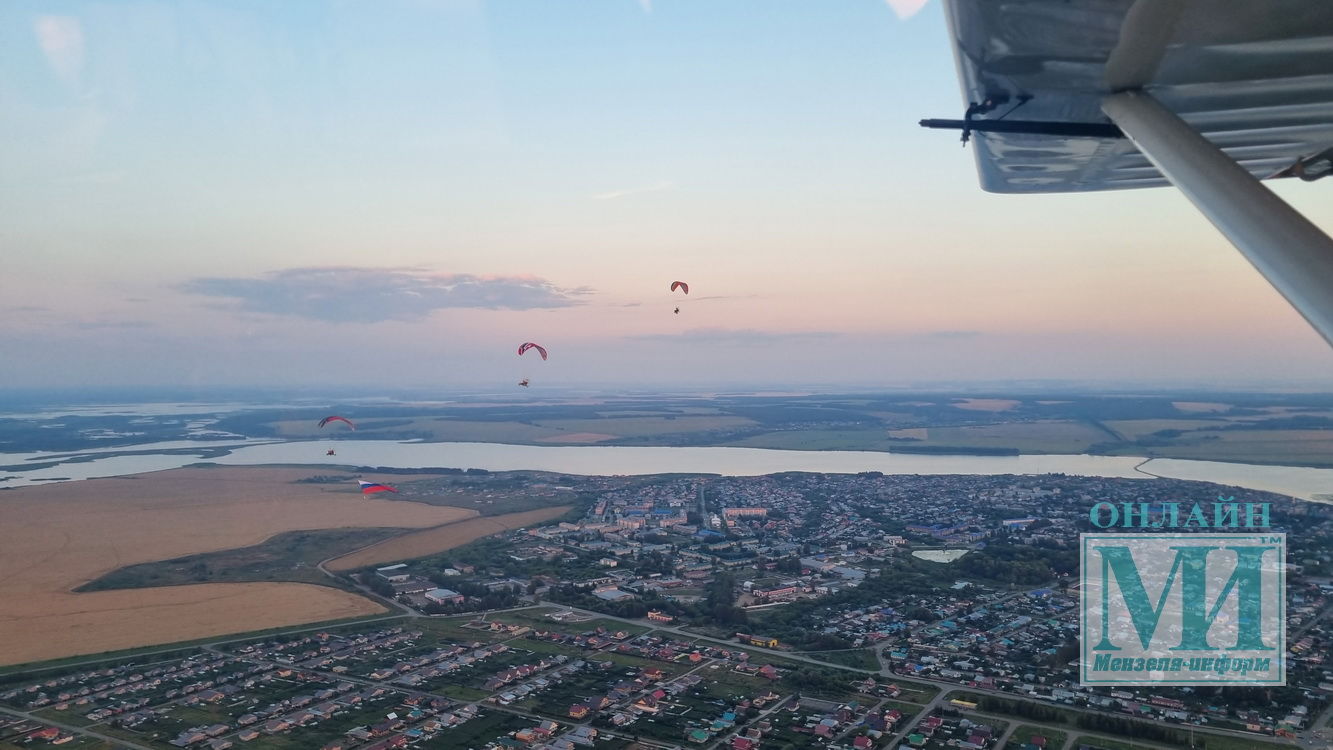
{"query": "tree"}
(378, 585)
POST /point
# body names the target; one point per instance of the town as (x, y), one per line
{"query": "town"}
(754, 613)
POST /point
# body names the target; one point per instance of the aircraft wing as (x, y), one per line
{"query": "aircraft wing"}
(1254, 77)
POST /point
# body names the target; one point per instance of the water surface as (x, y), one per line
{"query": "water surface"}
(1295, 481)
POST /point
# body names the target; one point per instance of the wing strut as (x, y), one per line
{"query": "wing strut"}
(1291, 252)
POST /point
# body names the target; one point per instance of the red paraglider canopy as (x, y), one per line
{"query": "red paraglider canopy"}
(681, 286)
(529, 345)
(326, 420)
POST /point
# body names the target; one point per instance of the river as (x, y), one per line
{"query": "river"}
(1306, 483)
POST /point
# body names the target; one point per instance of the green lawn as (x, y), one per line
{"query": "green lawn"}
(1055, 739)
(78, 743)
(861, 658)
(1218, 742)
(536, 618)
(74, 716)
(1102, 743)
(451, 629)
(462, 693)
(291, 556)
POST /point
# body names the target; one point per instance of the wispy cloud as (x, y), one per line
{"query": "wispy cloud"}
(372, 295)
(98, 325)
(654, 188)
(734, 336)
(646, 5)
(907, 8)
(61, 41)
(716, 297)
(952, 334)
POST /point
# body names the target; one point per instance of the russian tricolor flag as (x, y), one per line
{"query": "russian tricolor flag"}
(370, 488)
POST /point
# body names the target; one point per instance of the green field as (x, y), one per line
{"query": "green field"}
(607, 425)
(624, 660)
(1202, 741)
(820, 440)
(638, 427)
(1133, 429)
(451, 628)
(1055, 739)
(291, 556)
(442, 429)
(535, 617)
(951, 422)
(861, 658)
(146, 654)
(1028, 437)
(1104, 743)
(78, 743)
(1294, 447)
(488, 726)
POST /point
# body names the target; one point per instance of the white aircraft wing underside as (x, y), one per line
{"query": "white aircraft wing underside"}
(1254, 77)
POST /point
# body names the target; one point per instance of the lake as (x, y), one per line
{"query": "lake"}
(1295, 481)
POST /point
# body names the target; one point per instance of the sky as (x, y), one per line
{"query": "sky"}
(400, 192)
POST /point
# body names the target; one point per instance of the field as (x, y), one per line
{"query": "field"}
(79, 743)
(1028, 437)
(1133, 429)
(494, 493)
(1202, 741)
(441, 538)
(985, 404)
(577, 624)
(572, 438)
(820, 440)
(861, 658)
(292, 556)
(987, 423)
(1024, 732)
(58, 537)
(429, 428)
(1201, 407)
(1103, 743)
(488, 726)
(565, 431)
(637, 427)
(1047, 436)
(1293, 447)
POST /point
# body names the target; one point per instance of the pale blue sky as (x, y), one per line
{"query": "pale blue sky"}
(174, 175)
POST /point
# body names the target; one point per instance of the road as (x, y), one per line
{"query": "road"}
(75, 730)
(944, 685)
(1307, 739)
